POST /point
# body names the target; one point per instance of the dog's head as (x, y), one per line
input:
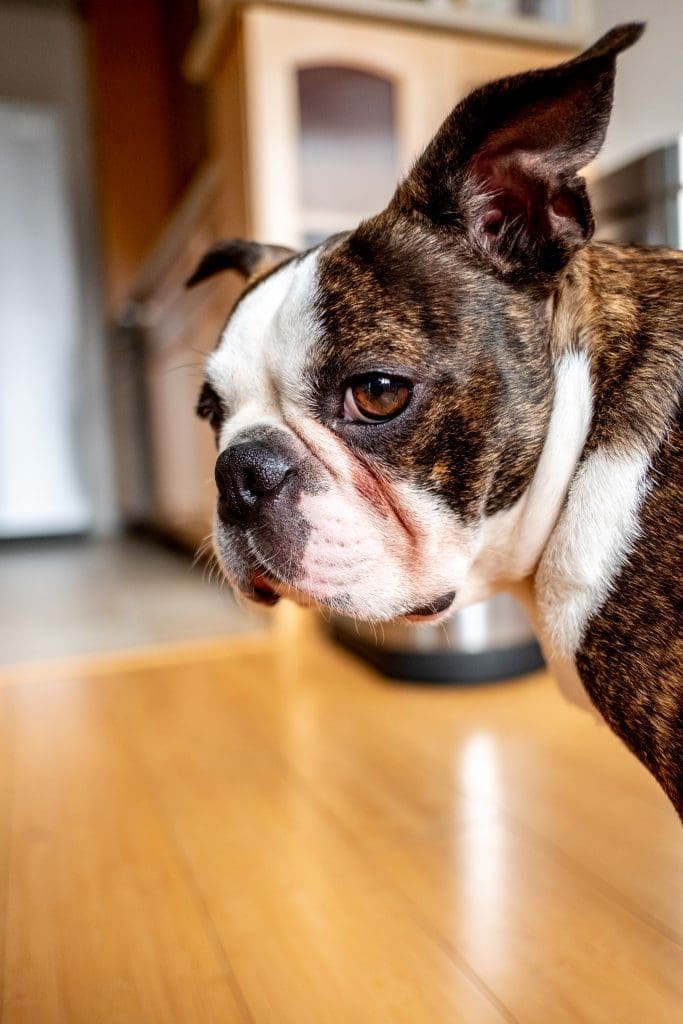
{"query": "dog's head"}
(380, 402)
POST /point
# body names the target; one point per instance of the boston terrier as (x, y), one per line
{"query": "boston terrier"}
(466, 394)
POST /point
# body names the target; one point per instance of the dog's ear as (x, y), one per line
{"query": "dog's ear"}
(250, 259)
(503, 166)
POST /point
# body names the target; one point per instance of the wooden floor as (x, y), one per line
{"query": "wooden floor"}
(266, 832)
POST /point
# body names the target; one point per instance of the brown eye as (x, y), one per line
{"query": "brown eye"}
(375, 398)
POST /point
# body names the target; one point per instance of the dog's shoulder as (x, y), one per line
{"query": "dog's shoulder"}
(631, 654)
(610, 582)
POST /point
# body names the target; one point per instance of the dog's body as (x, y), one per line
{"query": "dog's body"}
(464, 395)
(608, 586)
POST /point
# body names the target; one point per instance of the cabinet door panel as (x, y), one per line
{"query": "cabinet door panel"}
(428, 73)
(277, 45)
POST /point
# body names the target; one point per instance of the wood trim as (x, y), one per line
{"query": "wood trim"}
(210, 38)
(284, 625)
(134, 659)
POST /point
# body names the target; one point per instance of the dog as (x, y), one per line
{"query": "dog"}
(466, 394)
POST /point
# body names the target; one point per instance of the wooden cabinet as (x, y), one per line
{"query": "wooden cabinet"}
(286, 93)
(178, 329)
(313, 118)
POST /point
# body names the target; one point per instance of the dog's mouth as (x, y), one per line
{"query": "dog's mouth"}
(262, 590)
(432, 611)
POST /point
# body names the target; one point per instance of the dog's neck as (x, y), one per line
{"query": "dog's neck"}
(621, 306)
(615, 387)
(621, 322)
(545, 548)
(513, 541)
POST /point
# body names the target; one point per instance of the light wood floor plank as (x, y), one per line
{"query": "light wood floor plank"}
(7, 748)
(313, 933)
(516, 747)
(274, 834)
(438, 757)
(499, 898)
(100, 924)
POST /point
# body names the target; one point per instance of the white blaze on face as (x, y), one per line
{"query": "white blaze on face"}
(258, 364)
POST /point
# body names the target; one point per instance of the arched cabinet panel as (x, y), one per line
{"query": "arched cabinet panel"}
(360, 87)
(337, 109)
(347, 152)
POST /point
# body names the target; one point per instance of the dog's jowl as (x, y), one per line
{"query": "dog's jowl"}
(466, 394)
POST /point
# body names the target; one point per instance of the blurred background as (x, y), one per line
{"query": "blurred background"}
(218, 816)
(133, 134)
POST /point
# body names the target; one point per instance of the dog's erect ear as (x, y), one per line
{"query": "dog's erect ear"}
(250, 259)
(503, 166)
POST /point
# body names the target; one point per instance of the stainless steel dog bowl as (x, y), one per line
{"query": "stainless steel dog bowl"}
(483, 643)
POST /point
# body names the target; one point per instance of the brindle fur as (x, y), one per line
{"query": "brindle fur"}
(473, 282)
(479, 347)
(629, 309)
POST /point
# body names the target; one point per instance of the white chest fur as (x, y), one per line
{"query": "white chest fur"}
(563, 670)
(594, 528)
(589, 545)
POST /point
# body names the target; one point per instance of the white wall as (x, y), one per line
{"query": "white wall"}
(648, 108)
(42, 61)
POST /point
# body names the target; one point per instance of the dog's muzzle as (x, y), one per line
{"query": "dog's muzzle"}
(249, 477)
(261, 533)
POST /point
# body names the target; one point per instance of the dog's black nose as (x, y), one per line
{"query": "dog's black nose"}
(247, 475)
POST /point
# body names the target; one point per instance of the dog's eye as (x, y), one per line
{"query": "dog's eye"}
(375, 398)
(210, 407)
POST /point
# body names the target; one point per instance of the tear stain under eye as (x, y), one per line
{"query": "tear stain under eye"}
(369, 486)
